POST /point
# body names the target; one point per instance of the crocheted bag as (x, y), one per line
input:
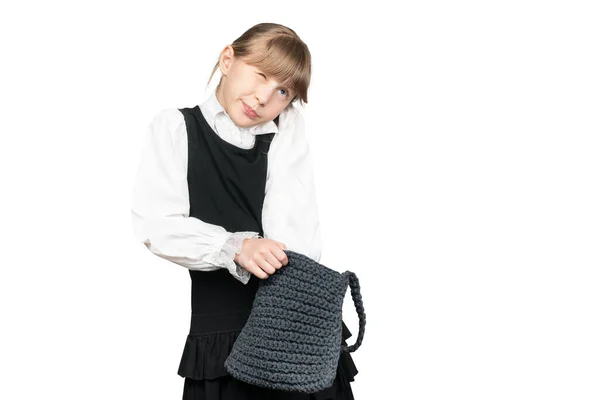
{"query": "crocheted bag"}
(292, 339)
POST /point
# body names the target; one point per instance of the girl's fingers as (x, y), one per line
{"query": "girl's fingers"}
(256, 270)
(267, 259)
(278, 252)
(264, 264)
(281, 256)
(271, 259)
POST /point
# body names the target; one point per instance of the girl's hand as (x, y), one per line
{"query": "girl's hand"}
(261, 257)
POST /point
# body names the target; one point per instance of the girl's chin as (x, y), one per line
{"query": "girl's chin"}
(244, 122)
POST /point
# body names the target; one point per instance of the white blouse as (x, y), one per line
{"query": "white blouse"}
(160, 202)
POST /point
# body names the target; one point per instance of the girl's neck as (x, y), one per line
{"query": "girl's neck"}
(218, 94)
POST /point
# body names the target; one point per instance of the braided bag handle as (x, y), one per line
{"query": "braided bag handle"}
(360, 310)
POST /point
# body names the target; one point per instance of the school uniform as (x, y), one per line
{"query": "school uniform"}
(203, 186)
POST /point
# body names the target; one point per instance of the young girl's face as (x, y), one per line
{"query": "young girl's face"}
(249, 96)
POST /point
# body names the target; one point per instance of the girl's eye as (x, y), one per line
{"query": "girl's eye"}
(286, 94)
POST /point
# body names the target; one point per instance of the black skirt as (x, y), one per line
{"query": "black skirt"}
(202, 365)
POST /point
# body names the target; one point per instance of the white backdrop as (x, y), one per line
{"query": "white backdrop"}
(456, 154)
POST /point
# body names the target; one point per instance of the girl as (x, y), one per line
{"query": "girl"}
(222, 189)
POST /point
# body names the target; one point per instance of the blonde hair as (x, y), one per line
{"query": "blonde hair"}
(277, 51)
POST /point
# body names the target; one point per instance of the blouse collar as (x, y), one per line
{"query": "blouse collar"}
(218, 118)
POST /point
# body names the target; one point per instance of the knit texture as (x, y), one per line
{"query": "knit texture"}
(292, 339)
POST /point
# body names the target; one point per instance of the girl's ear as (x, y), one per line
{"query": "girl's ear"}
(226, 59)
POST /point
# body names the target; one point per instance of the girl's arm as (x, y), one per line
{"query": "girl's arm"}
(290, 212)
(160, 205)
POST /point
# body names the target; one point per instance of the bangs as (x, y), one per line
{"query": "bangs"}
(286, 59)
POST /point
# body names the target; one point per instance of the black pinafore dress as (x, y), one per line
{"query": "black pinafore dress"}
(227, 187)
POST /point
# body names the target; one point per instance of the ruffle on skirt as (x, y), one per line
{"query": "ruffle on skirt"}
(202, 364)
(204, 355)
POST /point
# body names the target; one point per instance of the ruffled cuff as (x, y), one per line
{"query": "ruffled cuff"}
(231, 247)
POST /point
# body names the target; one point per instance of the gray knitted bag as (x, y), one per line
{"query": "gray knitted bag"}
(292, 339)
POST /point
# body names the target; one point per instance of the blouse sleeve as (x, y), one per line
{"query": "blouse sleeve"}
(160, 205)
(290, 212)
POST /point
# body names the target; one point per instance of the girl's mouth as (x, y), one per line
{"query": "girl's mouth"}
(249, 112)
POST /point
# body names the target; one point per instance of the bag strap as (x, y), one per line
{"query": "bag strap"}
(360, 310)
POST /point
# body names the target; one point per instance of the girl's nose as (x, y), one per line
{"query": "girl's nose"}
(263, 95)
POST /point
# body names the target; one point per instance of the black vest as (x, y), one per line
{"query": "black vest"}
(226, 187)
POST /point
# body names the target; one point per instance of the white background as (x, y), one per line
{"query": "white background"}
(456, 154)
